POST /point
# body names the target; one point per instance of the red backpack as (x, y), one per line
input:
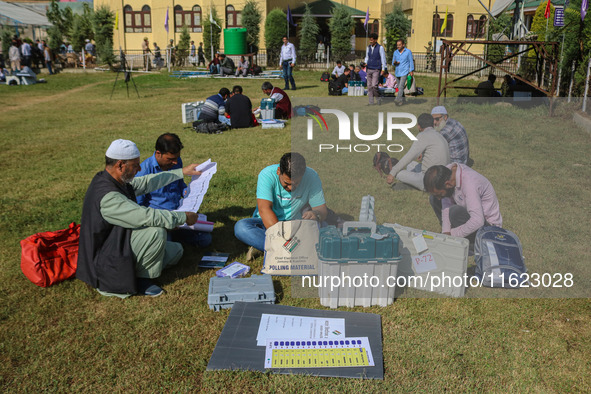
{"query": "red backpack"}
(50, 257)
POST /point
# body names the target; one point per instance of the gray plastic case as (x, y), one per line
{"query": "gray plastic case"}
(223, 292)
(450, 254)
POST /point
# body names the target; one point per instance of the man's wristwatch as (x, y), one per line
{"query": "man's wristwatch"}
(317, 215)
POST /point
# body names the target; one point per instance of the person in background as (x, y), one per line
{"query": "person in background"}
(375, 58)
(287, 61)
(26, 52)
(454, 133)
(239, 107)
(507, 86)
(201, 55)
(214, 65)
(363, 72)
(226, 65)
(404, 63)
(338, 70)
(14, 55)
(430, 149)
(214, 108)
(487, 88)
(282, 101)
(242, 69)
(146, 51)
(342, 82)
(47, 56)
(193, 54)
(321, 49)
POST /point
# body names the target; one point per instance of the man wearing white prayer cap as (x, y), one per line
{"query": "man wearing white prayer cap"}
(454, 133)
(123, 245)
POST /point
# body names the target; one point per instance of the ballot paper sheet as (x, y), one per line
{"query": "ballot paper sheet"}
(198, 187)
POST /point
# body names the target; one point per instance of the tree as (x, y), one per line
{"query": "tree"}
(55, 39)
(397, 27)
(211, 32)
(308, 33)
(544, 29)
(341, 25)
(577, 47)
(501, 25)
(540, 25)
(251, 21)
(61, 20)
(6, 38)
(81, 28)
(103, 21)
(182, 50)
(275, 29)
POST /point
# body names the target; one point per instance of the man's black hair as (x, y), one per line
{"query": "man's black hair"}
(492, 78)
(169, 143)
(284, 37)
(425, 120)
(435, 178)
(347, 69)
(374, 36)
(400, 40)
(293, 165)
(224, 92)
(237, 89)
(267, 86)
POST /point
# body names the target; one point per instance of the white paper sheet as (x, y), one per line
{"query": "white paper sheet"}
(424, 263)
(198, 187)
(299, 327)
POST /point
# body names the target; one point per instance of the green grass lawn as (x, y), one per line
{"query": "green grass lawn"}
(69, 338)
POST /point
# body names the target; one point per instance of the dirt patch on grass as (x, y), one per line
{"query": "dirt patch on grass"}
(40, 100)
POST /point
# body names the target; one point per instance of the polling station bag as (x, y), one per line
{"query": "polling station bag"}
(50, 257)
(499, 258)
(325, 77)
(290, 248)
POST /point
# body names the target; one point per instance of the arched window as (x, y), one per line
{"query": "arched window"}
(436, 27)
(470, 26)
(482, 26)
(374, 27)
(191, 19)
(146, 19)
(438, 22)
(178, 18)
(138, 21)
(128, 11)
(233, 17)
(196, 19)
(476, 28)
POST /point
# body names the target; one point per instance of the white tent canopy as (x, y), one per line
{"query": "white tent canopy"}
(499, 6)
(14, 15)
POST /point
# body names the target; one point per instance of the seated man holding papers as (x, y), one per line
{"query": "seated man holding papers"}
(166, 157)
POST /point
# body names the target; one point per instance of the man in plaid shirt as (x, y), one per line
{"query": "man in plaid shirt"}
(454, 133)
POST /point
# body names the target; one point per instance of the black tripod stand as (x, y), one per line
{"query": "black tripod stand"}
(124, 68)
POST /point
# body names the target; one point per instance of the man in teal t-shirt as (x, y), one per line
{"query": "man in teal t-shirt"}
(283, 190)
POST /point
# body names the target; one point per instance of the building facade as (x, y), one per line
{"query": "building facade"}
(467, 19)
